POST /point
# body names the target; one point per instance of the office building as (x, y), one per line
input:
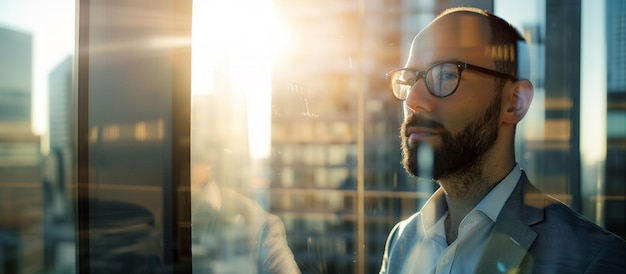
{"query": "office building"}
(20, 184)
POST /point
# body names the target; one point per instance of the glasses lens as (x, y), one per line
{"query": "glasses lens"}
(442, 79)
(401, 83)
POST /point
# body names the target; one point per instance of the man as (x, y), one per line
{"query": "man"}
(232, 233)
(464, 92)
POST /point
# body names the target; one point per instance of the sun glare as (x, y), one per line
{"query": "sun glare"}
(236, 37)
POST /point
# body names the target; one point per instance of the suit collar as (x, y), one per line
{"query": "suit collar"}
(512, 235)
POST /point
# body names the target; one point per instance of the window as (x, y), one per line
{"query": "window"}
(183, 136)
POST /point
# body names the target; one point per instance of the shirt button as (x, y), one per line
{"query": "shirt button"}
(445, 260)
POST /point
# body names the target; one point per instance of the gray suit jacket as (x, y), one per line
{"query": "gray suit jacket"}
(534, 233)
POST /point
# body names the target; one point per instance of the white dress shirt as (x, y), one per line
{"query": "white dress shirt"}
(434, 255)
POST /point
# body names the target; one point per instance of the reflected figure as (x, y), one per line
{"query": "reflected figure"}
(465, 88)
(232, 233)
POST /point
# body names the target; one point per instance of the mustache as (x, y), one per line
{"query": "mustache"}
(416, 120)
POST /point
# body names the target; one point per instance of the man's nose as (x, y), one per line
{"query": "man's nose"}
(419, 99)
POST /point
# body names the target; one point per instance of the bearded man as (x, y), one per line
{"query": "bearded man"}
(465, 88)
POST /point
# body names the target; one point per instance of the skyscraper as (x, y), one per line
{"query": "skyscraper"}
(62, 120)
(20, 185)
(15, 81)
(59, 166)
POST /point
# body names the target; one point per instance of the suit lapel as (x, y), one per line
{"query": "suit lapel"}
(512, 236)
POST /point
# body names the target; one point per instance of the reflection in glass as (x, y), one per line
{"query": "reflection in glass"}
(232, 233)
(335, 53)
(302, 169)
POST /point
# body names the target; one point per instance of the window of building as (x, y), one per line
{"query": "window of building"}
(179, 136)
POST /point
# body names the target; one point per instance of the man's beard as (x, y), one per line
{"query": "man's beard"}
(458, 154)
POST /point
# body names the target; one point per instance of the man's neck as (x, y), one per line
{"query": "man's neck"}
(464, 192)
(461, 198)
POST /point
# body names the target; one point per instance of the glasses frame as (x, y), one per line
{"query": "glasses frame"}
(461, 66)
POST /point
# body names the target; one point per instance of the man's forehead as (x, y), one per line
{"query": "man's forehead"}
(461, 28)
(458, 34)
(451, 52)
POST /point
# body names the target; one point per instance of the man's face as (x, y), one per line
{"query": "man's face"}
(457, 152)
(461, 128)
(200, 175)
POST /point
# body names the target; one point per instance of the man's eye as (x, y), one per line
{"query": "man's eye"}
(448, 76)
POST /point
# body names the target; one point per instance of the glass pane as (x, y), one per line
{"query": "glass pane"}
(295, 118)
(295, 160)
(133, 174)
(37, 154)
(306, 87)
(233, 230)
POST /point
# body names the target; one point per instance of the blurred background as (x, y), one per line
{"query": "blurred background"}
(166, 136)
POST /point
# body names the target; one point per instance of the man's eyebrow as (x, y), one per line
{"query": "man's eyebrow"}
(430, 64)
(453, 46)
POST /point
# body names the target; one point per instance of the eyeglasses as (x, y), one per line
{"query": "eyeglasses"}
(442, 79)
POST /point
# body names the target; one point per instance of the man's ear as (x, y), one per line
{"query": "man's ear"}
(516, 101)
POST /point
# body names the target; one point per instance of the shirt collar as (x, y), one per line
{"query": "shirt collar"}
(432, 214)
(432, 211)
(491, 205)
